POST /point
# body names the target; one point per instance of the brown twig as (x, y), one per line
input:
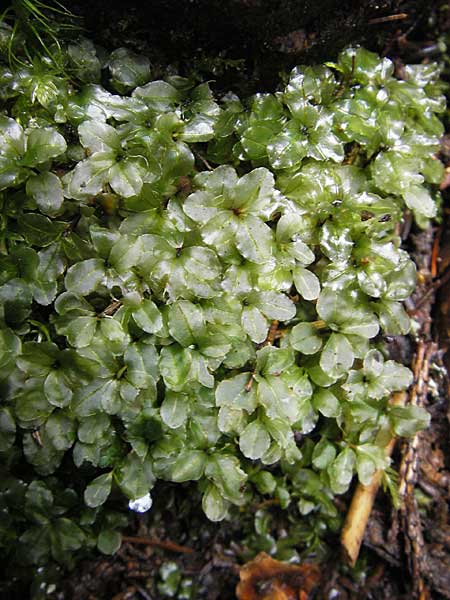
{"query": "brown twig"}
(111, 309)
(362, 502)
(435, 253)
(388, 19)
(409, 511)
(203, 160)
(437, 283)
(165, 544)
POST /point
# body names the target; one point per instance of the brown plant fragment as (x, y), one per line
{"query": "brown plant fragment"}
(265, 578)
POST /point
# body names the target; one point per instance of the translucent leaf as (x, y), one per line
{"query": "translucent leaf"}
(254, 441)
(42, 145)
(235, 393)
(46, 190)
(174, 409)
(175, 365)
(323, 454)
(341, 470)
(128, 69)
(39, 230)
(109, 541)
(134, 476)
(276, 306)
(185, 322)
(125, 178)
(7, 429)
(254, 324)
(214, 506)
(305, 339)
(306, 283)
(189, 466)
(420, 201)
(60, 430)
(326, 403)
(408, 420)
(84, 277)
(97, 492)
(98, 136)
(337, 355)
(254, 239)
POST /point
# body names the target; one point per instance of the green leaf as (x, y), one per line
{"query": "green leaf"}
(39, 230)
(175, 366)
(97, 492)
(84, 277)
(365, 467)
(254, 324)
(326, 403)
(56, 389)
(341, 470)
(225, 471)
(323, 454)
(128, 69)
(189, 466)
(174, 410)
(214, 506)
(109, 541)
(134, 476)
(7, 429)
(276, 306)
(46, 190)
(89, 176)
(304, 338)
(306, 283)
(420, 201)
(254, 239)
(254, 441)
(185, 322)
(233, 392)
(158, 95)
(125, 178)
(148, 317)
(42, 145)
(60, 430)
(337, 355)
(66, 537)
(408, 420)
(98, 136)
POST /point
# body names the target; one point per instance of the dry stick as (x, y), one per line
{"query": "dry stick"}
(165, 544)
(410, 518)
(388, 19)
(362, 502)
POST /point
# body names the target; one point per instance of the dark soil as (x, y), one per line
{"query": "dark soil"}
(243, 45)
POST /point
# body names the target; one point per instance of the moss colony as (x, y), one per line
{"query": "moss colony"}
(196, 289)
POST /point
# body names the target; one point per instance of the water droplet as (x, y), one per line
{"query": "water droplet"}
(141, 505)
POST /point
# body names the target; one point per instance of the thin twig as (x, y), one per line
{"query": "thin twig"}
(362, 502)
(437, 283)
(410, 517)
(388, 19)
(203, 160)
(111, 309)
(165, 544)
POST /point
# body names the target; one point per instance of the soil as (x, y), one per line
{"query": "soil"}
(244, 45)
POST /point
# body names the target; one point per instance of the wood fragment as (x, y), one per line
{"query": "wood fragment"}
(409, 510)
(265, 578)
(362, 502)
(165, 544)
(111, 308)
(388, 19)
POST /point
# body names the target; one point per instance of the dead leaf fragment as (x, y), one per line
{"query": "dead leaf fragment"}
(264, 578)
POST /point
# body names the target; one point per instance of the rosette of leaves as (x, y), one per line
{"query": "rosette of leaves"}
(163, 319)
